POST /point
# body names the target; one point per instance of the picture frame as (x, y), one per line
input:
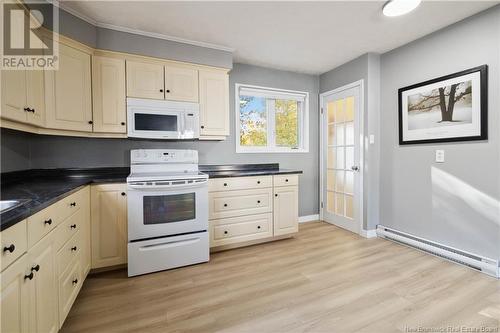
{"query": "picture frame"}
(450, 108)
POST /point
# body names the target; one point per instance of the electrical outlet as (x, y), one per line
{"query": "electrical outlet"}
(439, 156)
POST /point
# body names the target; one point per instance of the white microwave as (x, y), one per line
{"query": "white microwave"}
(155, 119)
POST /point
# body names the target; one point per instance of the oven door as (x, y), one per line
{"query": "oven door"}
(166, 210)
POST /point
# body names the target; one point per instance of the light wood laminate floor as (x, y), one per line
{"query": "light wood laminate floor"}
(324, 280)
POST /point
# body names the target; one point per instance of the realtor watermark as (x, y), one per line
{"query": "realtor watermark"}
(30, 35)
(452, 329)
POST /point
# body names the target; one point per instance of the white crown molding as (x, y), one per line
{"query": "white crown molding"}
(95, 23)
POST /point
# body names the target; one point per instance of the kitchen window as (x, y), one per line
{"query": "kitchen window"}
(271, 120)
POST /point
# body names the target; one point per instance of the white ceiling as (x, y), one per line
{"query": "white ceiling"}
(309, 37)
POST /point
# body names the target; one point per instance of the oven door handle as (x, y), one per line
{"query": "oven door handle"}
(166, 187)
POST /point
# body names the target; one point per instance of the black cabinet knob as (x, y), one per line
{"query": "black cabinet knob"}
(202, 127)
(225, 232)
(10, 248)
(35, 268)
(258, 201)
(91, 122)
(33, 110)
(258, 182)
(168, 90)
(73, 204)
(276, 195)
(73, 226)
(225, 184)
(29, 276)
(49, 221)
(74, 248)
(27, 109)
(161, 90)
(75, 281)
(225, 205)
(258, 227)
(123, 123)
(286, 180)
(124, 194)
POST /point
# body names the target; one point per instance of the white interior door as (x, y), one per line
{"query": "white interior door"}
(341, 158)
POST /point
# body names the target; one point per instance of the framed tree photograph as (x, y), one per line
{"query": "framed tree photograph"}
(446, 109)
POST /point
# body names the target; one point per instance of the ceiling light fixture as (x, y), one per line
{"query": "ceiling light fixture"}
(399, 7)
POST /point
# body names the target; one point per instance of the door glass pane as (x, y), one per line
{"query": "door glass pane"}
(155, 122)
(331, 111)
(339, 204)
(331, 158)
(331, 134)
(349, 157)
(339, 137)
(330, 204)
(349, 209)
(339, 182)
(349, 182)
(339, 111)
(349, 133)
(340, 158)
(330, 175)
(158, 209)
(253, 121)
(349, 108)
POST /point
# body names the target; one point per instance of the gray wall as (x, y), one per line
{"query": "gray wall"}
(15, 150)
(366, 68)
(61, 152)
(457, 202)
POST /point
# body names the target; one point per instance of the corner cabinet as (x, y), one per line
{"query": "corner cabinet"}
(109, 225)
(108, 92)
(68, 95)
(214, 104)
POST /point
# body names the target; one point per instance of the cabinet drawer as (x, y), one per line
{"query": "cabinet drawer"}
(239, 203)
(69, 286)
(14, 243)
(240, 229)
(69, 251)
(42, 223)
(239, 183)
(286, 180)
(68, 228)
(71, 204)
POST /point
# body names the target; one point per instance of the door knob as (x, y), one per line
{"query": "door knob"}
(355, 168)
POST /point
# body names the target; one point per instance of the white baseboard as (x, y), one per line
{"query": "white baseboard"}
(368, 233)
(308, 218)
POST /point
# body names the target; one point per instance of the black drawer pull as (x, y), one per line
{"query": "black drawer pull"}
(75, 281)
(90, 122)
(202, 127)
(258, 227)
(73, 204)
(124, 194)
(123, 123)
(161, 90)
(225, 232)
(225, 184)
(74, 248)
(35, 268)
(276, 195)
(258, 201)
(73, 226)
(225, 205)
(29, 276)
(10, 248)
(49, 222)
(286, 180)
(258, 182)
(168, 90)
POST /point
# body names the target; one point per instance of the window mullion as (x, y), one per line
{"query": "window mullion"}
(271, 128)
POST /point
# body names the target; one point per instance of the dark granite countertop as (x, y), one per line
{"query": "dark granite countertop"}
(43, 187)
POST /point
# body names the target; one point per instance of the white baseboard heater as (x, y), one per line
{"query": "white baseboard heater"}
(479, 263)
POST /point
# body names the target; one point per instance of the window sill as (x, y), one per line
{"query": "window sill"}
(265, 151)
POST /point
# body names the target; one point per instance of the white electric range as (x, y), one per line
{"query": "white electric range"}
(167, 210)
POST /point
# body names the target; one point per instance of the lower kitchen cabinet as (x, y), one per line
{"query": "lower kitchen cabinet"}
(109, 225)
(286, 210)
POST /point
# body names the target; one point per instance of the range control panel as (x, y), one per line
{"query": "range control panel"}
(155, 156)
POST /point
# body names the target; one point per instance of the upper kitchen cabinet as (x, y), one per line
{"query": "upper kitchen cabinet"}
(23, 96)
(145, 80)
(159, 81)
(108, 91)
(214, 104)
(68, 96)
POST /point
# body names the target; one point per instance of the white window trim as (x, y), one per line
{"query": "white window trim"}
(303, 130)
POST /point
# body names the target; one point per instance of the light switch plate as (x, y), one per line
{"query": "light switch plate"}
(372, 139)
(439, 156)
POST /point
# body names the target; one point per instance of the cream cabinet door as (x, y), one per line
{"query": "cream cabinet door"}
(145, 80)
(15, 298)
(214, 103)
(286, 210)
(68, 92)
(109, 225)
(43, 287)
(181, 84)
(109, 100)
(14, 95)
(35, 97)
